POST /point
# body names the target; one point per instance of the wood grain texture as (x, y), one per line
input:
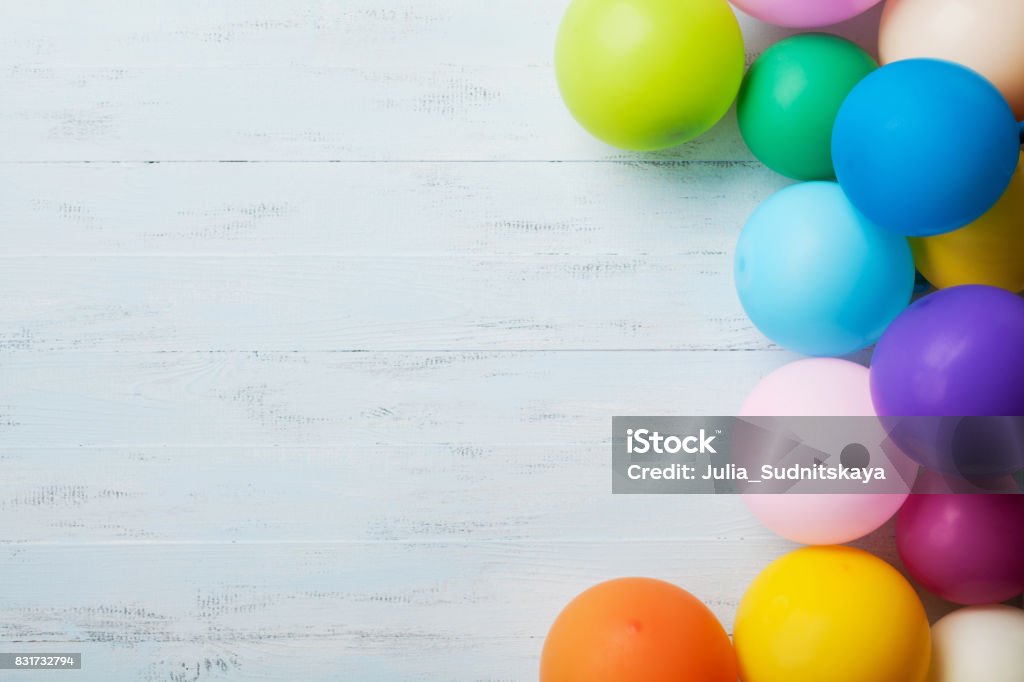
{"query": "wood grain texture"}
(541, 399)
(258, 80)
(499, 210)
(360, 610)
(376, 256)
(314, 317)
(352, 611)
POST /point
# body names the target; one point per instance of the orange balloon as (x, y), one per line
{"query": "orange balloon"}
(637, 630)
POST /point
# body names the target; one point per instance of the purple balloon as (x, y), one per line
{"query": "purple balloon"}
(968, 549)
(957, 352)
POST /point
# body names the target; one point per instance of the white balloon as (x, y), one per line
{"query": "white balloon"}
(979, 644)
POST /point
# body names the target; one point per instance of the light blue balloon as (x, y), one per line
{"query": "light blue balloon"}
(816, 276)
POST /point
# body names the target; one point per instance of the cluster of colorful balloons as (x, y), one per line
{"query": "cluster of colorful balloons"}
(921, 148)
(909, 165)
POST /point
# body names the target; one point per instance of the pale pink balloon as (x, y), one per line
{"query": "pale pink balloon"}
(812, 387)
(817, 387)
(804, 13)
(985, 35)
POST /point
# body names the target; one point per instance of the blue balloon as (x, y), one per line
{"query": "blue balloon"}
(921, 284)
(924, 146)
(817, 277)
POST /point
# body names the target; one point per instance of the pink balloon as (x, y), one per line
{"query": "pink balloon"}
(804, 13)
(813, 387)
(818, 387)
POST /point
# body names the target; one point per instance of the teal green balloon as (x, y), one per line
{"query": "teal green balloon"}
(790, 97)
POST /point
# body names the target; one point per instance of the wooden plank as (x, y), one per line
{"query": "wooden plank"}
(448, 611)
(424, 493)
(374, 209)
(430, 302)
(354, 400)
(243, 79)
(375, 256)
(340, 610)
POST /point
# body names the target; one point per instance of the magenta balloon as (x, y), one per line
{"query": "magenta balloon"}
(804, 13)
(968, 549)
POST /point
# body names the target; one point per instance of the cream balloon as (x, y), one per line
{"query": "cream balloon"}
(984, 35)
(979, 644)
(818, 387)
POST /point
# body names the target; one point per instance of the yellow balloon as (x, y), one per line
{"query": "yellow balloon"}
(831, 614)
(988, 251)
(649, 74)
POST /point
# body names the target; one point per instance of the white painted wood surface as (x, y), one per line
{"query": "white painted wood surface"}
(315, 315)
(302, 80)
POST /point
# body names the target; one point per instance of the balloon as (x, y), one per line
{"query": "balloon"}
(810, 388)
(922, 146)
(649, 74)
(968, 450)
(921, 285)
(981, 34)
(789, 100)
(637, 629)
(978, 643)
(988, 251)
(816, 277)
(954, 355)
(954, 352)
(967, 549)
(933, 482)
(831, 613)
(804, 13)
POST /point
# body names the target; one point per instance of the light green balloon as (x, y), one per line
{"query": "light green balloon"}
(649, 74)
